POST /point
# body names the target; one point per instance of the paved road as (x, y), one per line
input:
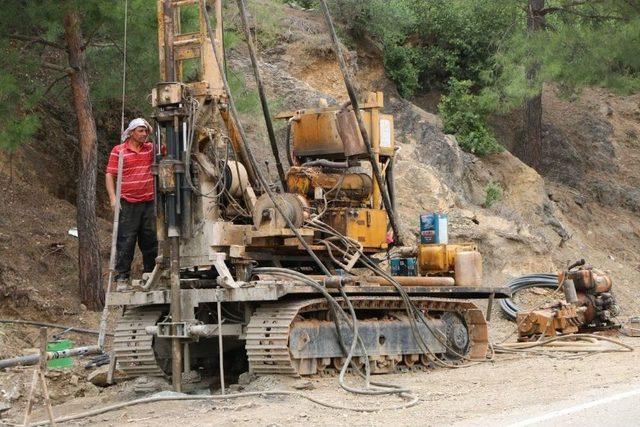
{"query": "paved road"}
(607, 406)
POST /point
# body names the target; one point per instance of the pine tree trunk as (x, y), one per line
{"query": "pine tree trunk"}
(531, 149)
(89, 262)
(532, 131)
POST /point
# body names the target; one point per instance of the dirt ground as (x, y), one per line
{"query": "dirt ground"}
(506, 388)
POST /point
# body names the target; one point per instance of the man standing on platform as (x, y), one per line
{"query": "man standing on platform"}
(137, 222)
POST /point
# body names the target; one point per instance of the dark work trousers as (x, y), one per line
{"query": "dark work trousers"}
(137, 223)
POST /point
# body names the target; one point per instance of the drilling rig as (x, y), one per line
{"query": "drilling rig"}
(268, 269)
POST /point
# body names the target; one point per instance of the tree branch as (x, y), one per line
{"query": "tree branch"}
(53, 83)
(633, 4)
(584, 15)
(570, 8)
(67, 70)
(103, 44)
(36, 40)
(93, 33)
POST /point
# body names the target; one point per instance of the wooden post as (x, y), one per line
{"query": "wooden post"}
(39, 372)
(112, 367)
(34, 382)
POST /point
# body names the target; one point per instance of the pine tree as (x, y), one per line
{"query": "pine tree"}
(68, 43)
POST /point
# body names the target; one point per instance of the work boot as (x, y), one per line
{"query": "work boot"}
(122, 284)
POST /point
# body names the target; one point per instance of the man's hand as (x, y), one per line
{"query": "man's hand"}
(111, 189)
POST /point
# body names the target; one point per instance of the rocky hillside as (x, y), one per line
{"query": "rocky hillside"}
(585, 202)
(582, 204)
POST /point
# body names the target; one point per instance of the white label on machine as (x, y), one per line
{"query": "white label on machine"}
(385, 133)
(443, 232)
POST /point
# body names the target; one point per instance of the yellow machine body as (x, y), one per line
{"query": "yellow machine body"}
(366, 226)
(440, 258)
(348, 194)
(332, 133)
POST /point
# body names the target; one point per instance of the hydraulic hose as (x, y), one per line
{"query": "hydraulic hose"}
(537, 280)
(221, 397)
(336, 311)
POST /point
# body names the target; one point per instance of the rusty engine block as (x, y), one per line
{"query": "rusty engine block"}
(589, 305)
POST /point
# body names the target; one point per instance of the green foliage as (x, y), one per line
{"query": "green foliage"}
(264, 16)
(17, 123)
(459, 37)
(582, 45)
(15, 131)
(427, 42)
(493, 194)
(247, 101)
(464, 114)
(402, 64)
(26, 84)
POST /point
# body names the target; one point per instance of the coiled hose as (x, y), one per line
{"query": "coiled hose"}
(536, 280)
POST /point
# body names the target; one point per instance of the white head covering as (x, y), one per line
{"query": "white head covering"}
(134, 124)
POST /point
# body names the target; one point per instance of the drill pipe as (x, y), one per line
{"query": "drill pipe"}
(34, 359)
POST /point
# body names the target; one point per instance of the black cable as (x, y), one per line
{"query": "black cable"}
(263, 98)
(537, 280)
(365, 137)
(252, 160)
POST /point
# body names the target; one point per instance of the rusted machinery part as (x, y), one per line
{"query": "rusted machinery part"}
(539, 280)
(353, 183)
(590, 280)
(403, 280)
(270, 330)
(288, 204)
(132, 346)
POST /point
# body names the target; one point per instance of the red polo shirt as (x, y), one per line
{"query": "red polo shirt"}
(137, 181)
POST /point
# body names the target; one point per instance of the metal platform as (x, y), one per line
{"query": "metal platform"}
(273, 291)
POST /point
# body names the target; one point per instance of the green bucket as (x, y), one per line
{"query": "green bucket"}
(64, 362)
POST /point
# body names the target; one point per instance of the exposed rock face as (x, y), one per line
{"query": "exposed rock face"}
(434, 174)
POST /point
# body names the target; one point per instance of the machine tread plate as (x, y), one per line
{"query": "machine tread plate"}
(268, 346)
(132, 345)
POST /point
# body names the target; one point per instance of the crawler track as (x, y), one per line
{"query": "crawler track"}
(269, 331)
(132, 346)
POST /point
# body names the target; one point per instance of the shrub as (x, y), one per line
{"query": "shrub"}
(402, 66)
(493, 193)
(464, 114)
(427, 42)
